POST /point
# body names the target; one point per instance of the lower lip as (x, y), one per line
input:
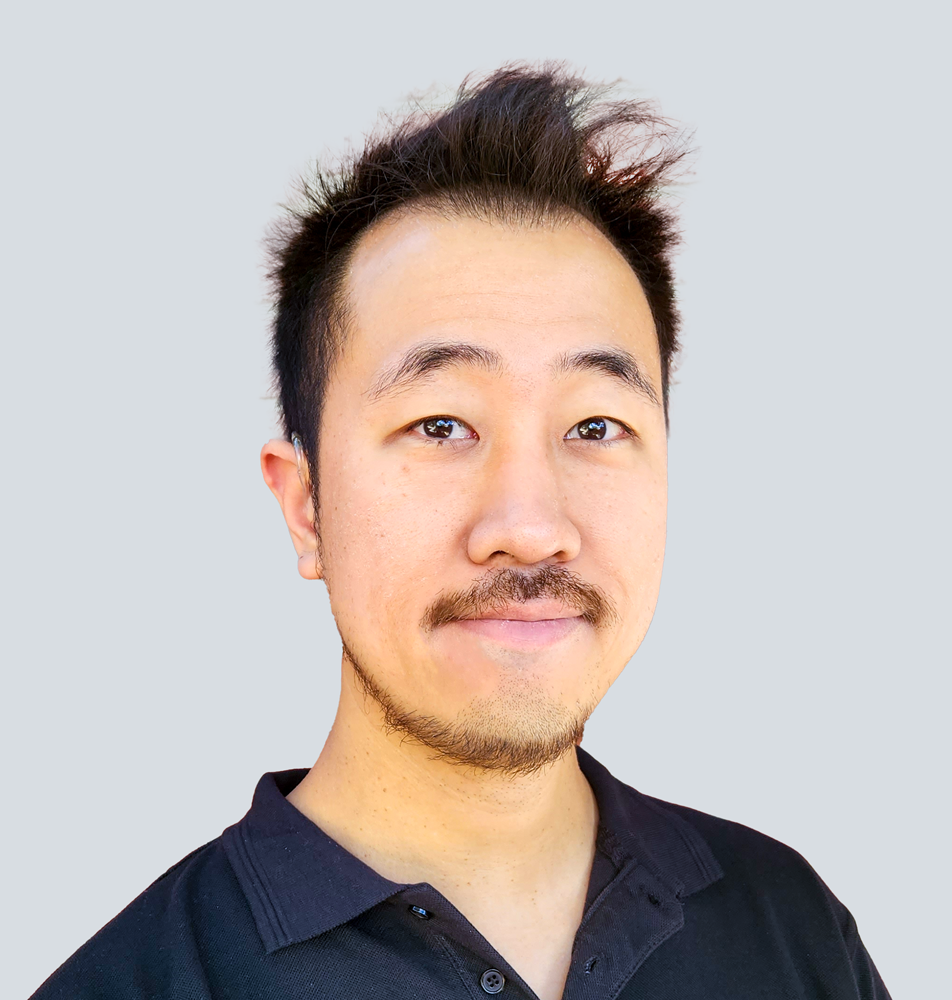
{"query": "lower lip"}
(512, 632)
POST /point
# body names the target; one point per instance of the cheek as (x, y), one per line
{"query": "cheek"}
(383, 543)
(626, 532)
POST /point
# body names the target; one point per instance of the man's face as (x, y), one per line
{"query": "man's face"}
(492, 480)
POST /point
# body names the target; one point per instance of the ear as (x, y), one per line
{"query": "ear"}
(280, 470)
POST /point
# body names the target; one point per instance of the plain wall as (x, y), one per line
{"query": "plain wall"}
(160, 652)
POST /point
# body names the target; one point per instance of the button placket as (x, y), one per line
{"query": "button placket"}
(652, 914)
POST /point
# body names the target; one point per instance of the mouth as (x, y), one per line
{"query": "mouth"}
(534, 624)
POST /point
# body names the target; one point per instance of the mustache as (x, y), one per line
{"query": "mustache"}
(509, 586)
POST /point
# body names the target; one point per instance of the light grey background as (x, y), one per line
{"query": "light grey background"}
(160, 651)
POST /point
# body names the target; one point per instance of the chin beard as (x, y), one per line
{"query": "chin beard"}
(516, 733)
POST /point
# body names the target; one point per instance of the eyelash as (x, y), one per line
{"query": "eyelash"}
(628, 432)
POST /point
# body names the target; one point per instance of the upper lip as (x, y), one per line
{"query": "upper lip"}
(532, 611)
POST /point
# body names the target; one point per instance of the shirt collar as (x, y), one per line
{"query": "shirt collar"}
(300, 883)
(636, 826)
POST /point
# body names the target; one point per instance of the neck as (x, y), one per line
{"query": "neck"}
(416, 819)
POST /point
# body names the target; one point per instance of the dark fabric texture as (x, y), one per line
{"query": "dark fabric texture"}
(681, 906)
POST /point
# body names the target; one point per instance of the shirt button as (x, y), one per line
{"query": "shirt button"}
(492, 981)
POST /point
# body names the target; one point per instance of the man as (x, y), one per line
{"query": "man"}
(474, 332)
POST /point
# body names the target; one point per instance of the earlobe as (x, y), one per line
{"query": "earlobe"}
(281, 465)
(309, 566)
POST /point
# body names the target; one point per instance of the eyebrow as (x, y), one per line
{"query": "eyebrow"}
(424, 360)
(614, 362)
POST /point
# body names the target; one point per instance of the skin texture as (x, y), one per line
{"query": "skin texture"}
(413, 524)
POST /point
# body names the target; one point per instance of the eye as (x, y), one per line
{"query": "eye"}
(598, 429)
(444, 429)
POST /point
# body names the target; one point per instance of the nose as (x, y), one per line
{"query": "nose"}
(522, 515)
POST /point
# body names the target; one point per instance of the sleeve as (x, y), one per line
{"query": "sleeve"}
(869, 984)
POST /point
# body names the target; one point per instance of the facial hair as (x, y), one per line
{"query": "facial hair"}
(519, 730)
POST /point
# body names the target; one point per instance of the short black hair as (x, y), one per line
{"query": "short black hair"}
(524, 144)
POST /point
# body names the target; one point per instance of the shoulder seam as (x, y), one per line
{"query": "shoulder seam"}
(178, 864)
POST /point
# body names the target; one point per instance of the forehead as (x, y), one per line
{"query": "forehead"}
(527, 292)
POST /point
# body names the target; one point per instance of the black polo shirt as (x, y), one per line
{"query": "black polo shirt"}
(681, 905)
